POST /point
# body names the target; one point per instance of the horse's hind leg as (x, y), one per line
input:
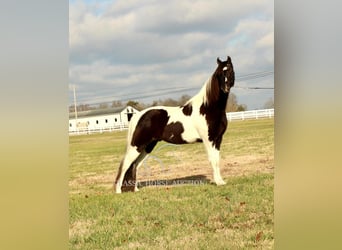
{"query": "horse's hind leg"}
(138, 162)
(127, 169)
(129, 166)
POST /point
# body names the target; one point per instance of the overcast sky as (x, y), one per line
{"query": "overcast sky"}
(153, 49)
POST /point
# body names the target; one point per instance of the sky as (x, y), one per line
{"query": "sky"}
(148, 50)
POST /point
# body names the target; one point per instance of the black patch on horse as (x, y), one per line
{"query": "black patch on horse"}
(149, 129)
(152, 127)
(217, 124)
(150, 146)
(187, 109)
(172, 133)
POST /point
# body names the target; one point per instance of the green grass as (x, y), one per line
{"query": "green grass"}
(238, 215)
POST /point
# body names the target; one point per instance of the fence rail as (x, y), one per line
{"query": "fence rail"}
(251, 114)
(86, 130)
(231, 116)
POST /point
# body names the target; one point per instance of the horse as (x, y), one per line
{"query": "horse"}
(201, 119)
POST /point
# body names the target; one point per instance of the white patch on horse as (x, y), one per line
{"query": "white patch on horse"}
(201, 97)
(176, 115)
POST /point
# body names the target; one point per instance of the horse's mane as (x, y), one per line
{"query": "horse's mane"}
(208, 93)
(212, 90)
(211, 94)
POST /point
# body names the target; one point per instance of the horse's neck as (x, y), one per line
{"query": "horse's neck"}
(203, 97)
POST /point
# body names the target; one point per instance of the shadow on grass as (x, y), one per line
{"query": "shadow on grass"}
(188, 180)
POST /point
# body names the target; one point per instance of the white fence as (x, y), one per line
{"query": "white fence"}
(231, 116)
(86, 130)
(251, 114)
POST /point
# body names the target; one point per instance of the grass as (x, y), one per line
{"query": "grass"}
(238, 215)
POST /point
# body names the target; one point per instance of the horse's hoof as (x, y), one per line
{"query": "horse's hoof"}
(220, 183)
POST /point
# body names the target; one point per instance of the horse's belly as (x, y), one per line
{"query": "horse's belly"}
(180, 133)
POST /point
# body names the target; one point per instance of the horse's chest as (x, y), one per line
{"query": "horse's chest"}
(217, 125)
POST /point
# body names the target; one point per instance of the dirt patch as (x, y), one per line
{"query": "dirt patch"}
(80, 229)
(232, 166)
(245, 165)
(94, 180)
(185, 171)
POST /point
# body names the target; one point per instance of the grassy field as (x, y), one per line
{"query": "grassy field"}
(185, 210)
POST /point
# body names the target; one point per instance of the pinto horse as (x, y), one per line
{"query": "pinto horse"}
(201, 119)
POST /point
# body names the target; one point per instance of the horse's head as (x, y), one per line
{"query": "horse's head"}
(225, 74)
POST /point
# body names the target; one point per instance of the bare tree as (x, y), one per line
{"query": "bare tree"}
(233, 105)
(183, 99)
(241, 107)
(169, 102)
(103, 105)
(116, 104)
(135, 105)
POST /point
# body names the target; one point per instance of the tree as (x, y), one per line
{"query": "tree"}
(155, 103)
(232, 103)
(169, 102)
(83, 107)
(116, 104)
(183, 99)
(103, 105)
(233, 106)
(241, 107)
(135, 105)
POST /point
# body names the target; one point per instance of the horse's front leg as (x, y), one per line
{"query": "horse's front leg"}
(214, 159)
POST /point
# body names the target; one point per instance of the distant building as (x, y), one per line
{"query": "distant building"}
(101, 119)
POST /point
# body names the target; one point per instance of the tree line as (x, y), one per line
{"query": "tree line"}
(232, 105)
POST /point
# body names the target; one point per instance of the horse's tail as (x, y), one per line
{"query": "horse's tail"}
(119, 172)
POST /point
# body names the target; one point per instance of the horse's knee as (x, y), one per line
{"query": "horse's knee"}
(214, 156)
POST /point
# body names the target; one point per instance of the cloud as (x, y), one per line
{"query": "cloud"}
(117, 47)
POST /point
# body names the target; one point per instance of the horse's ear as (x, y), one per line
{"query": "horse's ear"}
(228, 59)
(218, 61)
